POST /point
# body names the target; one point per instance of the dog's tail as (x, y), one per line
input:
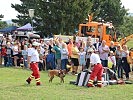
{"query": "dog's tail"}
(48, 74)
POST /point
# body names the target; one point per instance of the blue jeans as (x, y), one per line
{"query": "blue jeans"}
(104, 63)
(25, 61)
(120, 68)
(64, 63)
(9, 60)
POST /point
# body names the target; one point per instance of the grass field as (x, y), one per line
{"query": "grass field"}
(130, 43)
(14, 87)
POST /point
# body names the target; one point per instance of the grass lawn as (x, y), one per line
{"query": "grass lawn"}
(14, 87)
(130, 43)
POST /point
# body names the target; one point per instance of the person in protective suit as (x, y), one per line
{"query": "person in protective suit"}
(33, 59)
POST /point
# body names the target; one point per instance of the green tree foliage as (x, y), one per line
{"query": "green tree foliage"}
(23, 16)
(109, 10)
(55, 16)
(3, 24)
(127, 26)
(63, 16)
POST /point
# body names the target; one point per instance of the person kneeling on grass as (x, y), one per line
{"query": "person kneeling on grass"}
(97, 69)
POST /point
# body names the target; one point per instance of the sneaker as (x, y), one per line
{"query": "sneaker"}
(28, 81)
(38, 84)
(100, 86)
(88, 85)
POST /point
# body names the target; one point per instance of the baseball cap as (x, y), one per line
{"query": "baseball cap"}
(90, 50)
(35, 44)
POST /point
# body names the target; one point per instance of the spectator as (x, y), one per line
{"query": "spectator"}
(103, 52)
(88, 46)
(3, 54)
(119, 61)
(79, 43)
(15, 49)
(125, 64)
(40, 63)
(60, 42)
(57, 50)
(9, 55)
(112, 61)
(69, 47)
(82, 62)
(64, 57)
(112, 47)
(25, 56)
(74, 58)
(97, 44)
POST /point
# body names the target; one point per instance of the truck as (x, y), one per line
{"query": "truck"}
(100, 29)
(103, 31)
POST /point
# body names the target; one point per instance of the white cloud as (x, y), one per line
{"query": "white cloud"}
(128, 5)
(10, 13)
(6, 9)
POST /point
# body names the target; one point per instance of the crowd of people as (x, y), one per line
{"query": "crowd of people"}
(56, 54)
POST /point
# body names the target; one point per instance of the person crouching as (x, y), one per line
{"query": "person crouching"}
(33, 59)
(97, 69)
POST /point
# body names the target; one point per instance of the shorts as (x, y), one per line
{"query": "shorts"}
(82, 62)
(75, 61)
(16, 55)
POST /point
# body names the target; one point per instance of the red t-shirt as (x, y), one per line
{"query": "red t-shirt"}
(3, 51)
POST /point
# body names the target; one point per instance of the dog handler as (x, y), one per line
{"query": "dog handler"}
(97, 69)
(33, 59)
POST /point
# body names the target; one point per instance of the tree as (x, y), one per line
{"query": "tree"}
(109, 10)
(3, 24)
(127, 26)
(1, 16)
(55, 16)
(23, 16)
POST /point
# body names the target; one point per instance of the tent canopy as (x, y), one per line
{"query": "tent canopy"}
(26, 27)
(8, 29)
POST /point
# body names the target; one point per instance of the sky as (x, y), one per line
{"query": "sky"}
(9, 13)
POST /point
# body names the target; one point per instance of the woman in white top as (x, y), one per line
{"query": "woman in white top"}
(125, 65)
(15, 49)
(112, 61)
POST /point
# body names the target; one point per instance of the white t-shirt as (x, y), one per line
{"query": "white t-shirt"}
(94, 59)
(33, 53)
(64, 53)
(15, 49)
(112, 59)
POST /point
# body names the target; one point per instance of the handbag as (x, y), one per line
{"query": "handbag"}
(129, 60)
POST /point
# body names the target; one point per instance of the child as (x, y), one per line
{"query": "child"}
(40, 63)
(3, 53)
(81, 59)
(112, 61)
(64, 57)
(25, 55)
(9, 55)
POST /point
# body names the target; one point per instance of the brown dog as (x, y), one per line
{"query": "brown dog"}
(59, 73)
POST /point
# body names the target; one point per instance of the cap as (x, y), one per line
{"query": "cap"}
(8, 43)
(90, 50)
(35, 44)
(111, 52)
